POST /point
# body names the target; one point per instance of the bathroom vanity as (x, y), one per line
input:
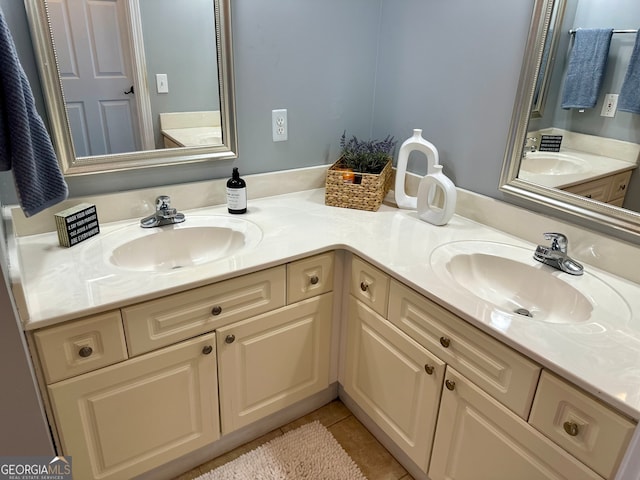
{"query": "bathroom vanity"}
(143, 369)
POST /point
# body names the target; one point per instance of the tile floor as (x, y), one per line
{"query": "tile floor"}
(372, 458)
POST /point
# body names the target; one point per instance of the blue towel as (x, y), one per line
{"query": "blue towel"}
(25, 146)
(629, 100)
(587, 66)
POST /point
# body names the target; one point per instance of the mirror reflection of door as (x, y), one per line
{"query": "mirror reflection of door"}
(94, 57)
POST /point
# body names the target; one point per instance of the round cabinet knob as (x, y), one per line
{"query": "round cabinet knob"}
(364, 286)
(207, 349)
(429, 369)
(230, 339)
(85, 352)
(314, 280)
(217, 310)
(571, 428)
(445, 342)
(450, 384)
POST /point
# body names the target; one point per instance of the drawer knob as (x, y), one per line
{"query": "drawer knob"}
(445, 342)
(230, 339)
(85, 352)
(217, 310)
(571, 428)
(207, 349)
(314, 280)
(364, 286)
(429, 369)
(450, 384)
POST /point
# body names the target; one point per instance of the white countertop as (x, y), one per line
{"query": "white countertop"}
(194, 136)
(599, 166)
(602, 355)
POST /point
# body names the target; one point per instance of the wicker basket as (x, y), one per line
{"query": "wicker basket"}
(365, 195)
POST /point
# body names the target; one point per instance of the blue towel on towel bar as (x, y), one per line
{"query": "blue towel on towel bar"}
(25, 146)
(587, 65)
(629, 100)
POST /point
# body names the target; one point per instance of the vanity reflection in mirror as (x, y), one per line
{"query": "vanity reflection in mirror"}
(135, 83)
(594, 174)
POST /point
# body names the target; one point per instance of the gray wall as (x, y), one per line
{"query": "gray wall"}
(179, 40)
(370, 67)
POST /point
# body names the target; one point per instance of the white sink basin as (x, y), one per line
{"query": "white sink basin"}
(508, 278)
(196, 241)
(550, 163)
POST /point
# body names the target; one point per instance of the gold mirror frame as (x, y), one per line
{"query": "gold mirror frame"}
(60, 130)
(614, 220)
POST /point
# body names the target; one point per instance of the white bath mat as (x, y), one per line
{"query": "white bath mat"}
(307, 453)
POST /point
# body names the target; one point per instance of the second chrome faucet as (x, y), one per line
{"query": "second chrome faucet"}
(556, 254)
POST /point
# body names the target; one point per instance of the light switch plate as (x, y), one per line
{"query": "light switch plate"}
(162, 83)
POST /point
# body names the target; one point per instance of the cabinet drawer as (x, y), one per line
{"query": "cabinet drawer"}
(583, 426)
(80, 346)
(157, 323)
(502, 372)
(596, 190)
(369, 285)
(309, 277)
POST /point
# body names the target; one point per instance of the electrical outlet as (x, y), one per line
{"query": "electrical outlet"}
(279, 125)
(610, 105)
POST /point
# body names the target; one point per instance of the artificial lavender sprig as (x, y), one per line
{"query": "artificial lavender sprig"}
(366, 156)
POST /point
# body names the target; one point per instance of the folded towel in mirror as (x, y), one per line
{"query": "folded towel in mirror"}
(587, 66)
(629, 100)
(25, 146)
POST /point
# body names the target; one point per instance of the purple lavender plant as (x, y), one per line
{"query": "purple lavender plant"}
(366, 156)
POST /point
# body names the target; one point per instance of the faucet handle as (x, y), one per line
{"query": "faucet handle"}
(559, 241)
(163, 202)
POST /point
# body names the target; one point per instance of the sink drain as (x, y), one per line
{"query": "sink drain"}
(524, 312)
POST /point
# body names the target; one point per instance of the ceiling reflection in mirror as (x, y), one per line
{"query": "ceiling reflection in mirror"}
(578, 160)
(135, 83)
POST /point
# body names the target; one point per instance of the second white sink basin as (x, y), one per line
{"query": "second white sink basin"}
(550, 163)
(507, 277)
(196, 241)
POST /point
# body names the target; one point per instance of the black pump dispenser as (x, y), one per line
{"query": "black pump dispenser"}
(236, 193)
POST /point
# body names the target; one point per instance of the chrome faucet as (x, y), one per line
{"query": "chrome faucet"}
(164, 215)
(556, 255)
(530, 144)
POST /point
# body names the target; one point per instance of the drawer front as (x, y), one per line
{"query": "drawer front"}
(370, 286)
(502, 372)
(81, 346)
(583, 426)
(309, 277)
(597, 190)
(157, 323)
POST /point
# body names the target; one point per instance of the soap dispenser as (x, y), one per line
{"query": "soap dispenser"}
(414, 143)
(236, 193)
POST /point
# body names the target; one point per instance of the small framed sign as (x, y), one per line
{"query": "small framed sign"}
(76, 224)
(550, 143)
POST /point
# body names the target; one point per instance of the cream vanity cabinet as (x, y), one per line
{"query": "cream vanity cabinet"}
(611, 189)
(134, 388)
(458, 402)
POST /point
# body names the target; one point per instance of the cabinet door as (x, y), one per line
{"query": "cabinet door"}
(394, 380)
(125, 419)
(479, 439)
(273, 360)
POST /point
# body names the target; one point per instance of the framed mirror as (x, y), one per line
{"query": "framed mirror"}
(581, 130)
(135, 83)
